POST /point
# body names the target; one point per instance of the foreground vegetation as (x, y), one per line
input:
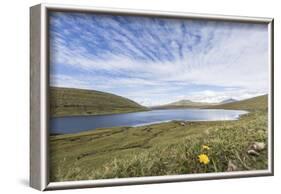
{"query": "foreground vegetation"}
(72, 102)
(165, 148)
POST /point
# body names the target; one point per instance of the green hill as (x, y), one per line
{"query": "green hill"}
(71, 102)
(256, 103)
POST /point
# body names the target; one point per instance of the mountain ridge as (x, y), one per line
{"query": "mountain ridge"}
(250, 103)
(185, 103)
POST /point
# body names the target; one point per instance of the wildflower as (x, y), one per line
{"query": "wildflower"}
(203, 158)
(205, 147)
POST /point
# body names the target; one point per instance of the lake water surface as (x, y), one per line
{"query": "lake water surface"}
(74, 124)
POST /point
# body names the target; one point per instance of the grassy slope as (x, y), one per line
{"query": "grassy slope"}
(161, 149)
(69, 102)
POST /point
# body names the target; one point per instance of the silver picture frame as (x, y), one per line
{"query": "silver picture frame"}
(39, 100)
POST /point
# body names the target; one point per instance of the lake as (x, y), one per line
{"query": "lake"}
(74, 124)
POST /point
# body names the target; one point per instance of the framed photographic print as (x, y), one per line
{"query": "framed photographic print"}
(123, 97)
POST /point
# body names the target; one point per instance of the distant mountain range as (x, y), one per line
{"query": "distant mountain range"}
(255, 103)
(184, 104)
(228, 101)
(192, 104)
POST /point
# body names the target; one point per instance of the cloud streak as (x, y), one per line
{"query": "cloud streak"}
(157, 61)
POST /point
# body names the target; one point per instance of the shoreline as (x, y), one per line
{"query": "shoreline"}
(158, 122)
(90, 131)
(100, 114)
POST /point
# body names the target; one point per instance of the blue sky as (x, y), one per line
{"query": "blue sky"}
(156, 61)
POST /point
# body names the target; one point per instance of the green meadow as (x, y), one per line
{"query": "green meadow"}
(170, 148)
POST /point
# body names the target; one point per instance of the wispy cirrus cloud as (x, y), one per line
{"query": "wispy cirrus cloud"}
(157, 60)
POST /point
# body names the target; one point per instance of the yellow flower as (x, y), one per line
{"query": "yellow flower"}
(203, 158)
(205, 147)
